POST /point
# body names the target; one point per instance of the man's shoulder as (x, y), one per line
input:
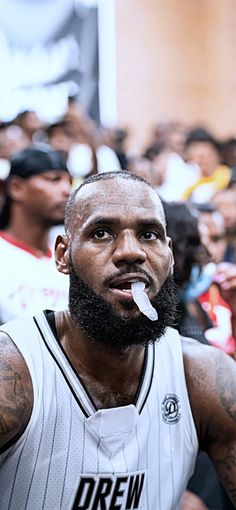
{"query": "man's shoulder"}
(210, 378)
(201, 360)
(9, 247)
(192, 346)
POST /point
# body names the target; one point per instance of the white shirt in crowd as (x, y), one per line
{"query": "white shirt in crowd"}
(29, 283)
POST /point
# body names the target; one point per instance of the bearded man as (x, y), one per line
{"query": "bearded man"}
(103, 405)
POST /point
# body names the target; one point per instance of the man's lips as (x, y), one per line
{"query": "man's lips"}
(121, 286)
(125, 281)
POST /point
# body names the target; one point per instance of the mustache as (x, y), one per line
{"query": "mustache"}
(128, 270)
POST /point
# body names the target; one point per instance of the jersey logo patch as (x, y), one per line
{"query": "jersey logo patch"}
(170, 407)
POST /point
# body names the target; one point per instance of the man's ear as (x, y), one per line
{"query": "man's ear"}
(17, 188)
(172, 260)
(62, 254)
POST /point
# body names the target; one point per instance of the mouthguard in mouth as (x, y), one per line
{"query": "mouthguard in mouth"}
(142, 301)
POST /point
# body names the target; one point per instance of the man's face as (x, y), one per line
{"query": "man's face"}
(118, 237)
(205, 155)
(213, 236)
(120, 229)
(45, 195)
(225, 201)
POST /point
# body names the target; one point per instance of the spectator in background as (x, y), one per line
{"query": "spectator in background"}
(225, 201)
(160, 132)
(213, 236)
(142, 167)
(176, 137)
(189, 256)
(212, 230)
(172, 133)
(37, 189)
(12, 139)
(158, 153)
(203, 150)
(80, 157)
(32, 125)
(176, 175)
(195, 273)
(60, 138)
(229, 152)
(193, 321)
(116, 139)
(79, 136)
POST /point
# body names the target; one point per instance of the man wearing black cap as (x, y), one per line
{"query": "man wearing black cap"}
(38, 187)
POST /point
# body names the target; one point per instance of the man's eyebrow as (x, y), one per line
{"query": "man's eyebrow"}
(153, 223)
(145, 222)
(101, 220)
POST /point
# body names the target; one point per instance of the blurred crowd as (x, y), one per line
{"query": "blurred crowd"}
(193, 173)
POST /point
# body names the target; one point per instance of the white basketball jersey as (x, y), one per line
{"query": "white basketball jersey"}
(73, 456)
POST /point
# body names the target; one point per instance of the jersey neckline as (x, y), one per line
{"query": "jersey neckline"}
(72, 378)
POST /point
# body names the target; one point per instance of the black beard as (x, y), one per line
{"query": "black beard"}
(101, 323)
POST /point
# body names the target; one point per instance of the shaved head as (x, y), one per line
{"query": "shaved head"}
(72, 201)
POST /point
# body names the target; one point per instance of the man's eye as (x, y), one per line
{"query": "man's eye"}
(53, 178)
(150, 236)
(101, 233)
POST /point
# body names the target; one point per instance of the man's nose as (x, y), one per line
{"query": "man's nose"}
(128, 249)
(66, 187)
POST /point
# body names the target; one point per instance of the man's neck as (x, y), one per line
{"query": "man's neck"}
(111, 375)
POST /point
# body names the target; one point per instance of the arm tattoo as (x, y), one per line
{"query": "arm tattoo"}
(13, 396)
(227, 469)
(226, 461)
(227, 390)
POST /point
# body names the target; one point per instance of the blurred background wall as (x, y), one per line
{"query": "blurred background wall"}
(176, 60)
(154, 61)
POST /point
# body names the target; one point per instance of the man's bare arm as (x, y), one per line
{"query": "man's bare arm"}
(16, 394)
(211, 381)
(223, 449)
(225, 277)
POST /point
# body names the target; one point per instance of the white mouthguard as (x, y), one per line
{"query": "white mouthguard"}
(142, 301)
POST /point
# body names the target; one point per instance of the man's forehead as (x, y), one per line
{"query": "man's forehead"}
(118, 194)
(116, 188)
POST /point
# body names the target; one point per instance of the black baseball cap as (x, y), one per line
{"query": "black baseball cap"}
(36, 159)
